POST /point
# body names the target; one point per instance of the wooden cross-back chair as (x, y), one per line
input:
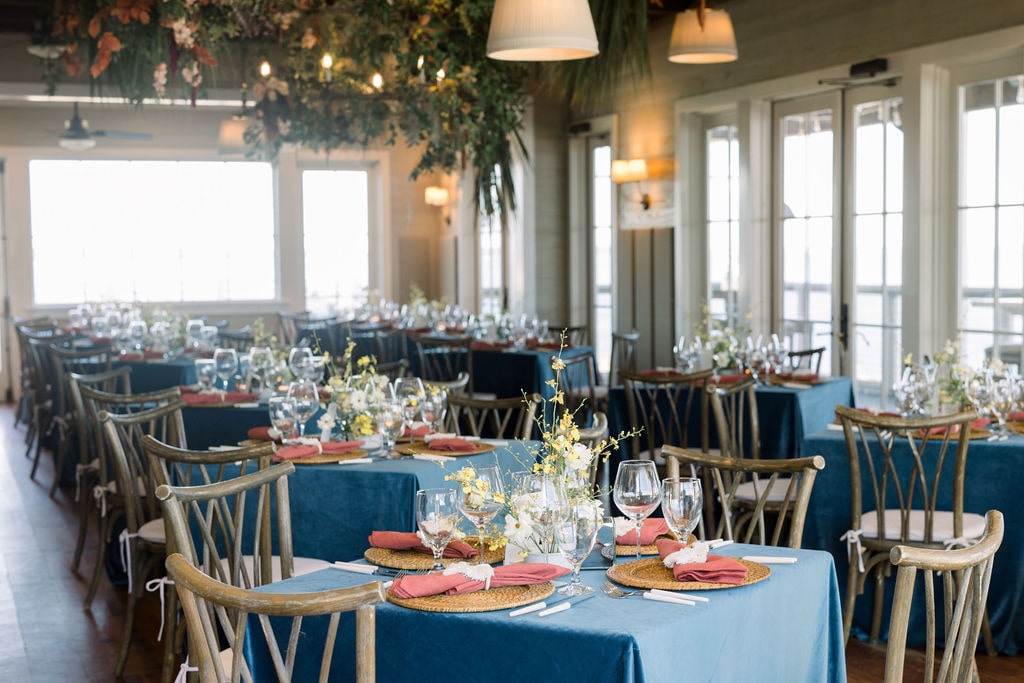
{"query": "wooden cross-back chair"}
(966, 574)
(455, 386)
(575, 335)
(807, 359)
(143, 541)
(661, 409)
(500, 418)
(208, 603)
(774, 511)
(577, 381)
(25, 328)
(907, 488)
(241, 339)
(592, 436)
(443, 359)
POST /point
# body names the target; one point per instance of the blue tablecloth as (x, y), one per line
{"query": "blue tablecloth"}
(153, 375)
(991, 482)
(786, 414)
(787, 628)
(508, 373)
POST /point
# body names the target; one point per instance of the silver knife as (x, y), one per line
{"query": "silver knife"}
(564, 603)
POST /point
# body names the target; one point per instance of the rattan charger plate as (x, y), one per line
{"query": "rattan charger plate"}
(418, 448)
(1015, 427)
(413, 560)
(330, 457)
(627, 550)
(652, 573)
(505, 597)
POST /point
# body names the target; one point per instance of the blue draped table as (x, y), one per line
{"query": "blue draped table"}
(785, 628)
(786, 414)
(153, 375)
(507, 372)
(991, 481)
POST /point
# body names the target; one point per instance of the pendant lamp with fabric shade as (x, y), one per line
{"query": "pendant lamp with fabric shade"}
(541, 30)
(712, 43)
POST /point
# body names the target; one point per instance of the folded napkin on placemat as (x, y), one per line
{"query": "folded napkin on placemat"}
(1016, 416)
(264, 434)
(651, 529)
(728, 379)
(193, 398)
(454, 582)
(308, 450)
(715, 569)
(135, 356)
(454, 445)
(409, 540)
(797, 376)
(417, 430)
(550, 345)
(977, 425)
(488, 346)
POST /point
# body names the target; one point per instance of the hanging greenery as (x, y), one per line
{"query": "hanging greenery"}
(350, 72)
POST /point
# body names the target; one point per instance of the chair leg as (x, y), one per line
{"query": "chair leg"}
(986, 635)
(876, 610)
(129, 617)
(85, 507)
(173, 636)
(104, 524)
(58, 465)
(851, 599)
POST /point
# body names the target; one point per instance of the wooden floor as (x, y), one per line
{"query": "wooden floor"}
(45, 635)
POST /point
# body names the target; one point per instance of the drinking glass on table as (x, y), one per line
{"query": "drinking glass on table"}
(435, 405)
(137, 331)
(390, 423)
(306, 396)
(437, 516)
(682, 501)
(282, 416)
(206, 374)
(409, 391)
(300, 358)
(226, 361)
(480, 499)
(575, 532)
(637, 492)
(261, 363)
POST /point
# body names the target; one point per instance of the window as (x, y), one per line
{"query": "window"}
(723, 223)
(603, 263)
(151, 231)
(336, 243)
(492, 259)
(991, 219)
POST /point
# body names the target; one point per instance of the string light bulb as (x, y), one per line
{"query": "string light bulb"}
(377, 81)
(327, 61)
(264, 68)
(440, 76)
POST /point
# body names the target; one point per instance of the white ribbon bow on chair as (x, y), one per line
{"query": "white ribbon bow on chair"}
(157, 585)
(852, 538)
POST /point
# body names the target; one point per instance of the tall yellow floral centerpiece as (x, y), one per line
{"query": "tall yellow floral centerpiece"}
(356, 393)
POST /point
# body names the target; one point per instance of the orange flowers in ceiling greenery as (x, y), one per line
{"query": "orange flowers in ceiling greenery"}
(342, 72)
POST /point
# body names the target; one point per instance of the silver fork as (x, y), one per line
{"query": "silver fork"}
(613, 591)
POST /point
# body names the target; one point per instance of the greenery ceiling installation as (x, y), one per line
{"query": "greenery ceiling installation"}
(347, 71)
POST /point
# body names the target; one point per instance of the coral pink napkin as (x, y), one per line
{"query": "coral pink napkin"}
(519, 574)
(408, 540)
(419, 430)
(977, 425)
(300, 451)
(729, 379)
(489, 346)
(717, 569)
(260, 434)
(135, 356)
(1016, 416)
(194, 398)
(452, 445)
(651, 529)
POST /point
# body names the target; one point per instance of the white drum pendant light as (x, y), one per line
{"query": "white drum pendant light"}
(712, 43)
(541, 30)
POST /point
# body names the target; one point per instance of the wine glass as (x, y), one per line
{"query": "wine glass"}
(137, 331)
(299, 360)
(575, 532)
(390, 423)
(544, 500)
(261, 362)
(209, 336)
(435, 405)
(437, 516)
(681, 503)
(307, 401)
(637, 492)
(282, 415)
(194, 329)
(409, 391)
(206, 374)
(481, 499)
(226, 361)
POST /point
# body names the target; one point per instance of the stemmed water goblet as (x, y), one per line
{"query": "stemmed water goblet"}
(307, 401)
(206, 374)
(437, 516)
(435, 405)
(137, 331)
(682, 501)
(575, 532)
(410, 392)
(226, 361)
(637, 492)
(299, 360)
(482, 497)
(390, 423)
(1002, 398)
(194, 330)
(282, 416)
(261, 362)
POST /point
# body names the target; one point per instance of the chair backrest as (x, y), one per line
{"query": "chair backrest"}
(623, 357)
(807, 359)
(136, 482)
(207, 602)
(592, 436)
(661, 409)
(230, 528)
(83, 361)
(455, 386)
(966, 573)
(768, 518)
(176, 466)
(294, 325)
(392, 344)
(117, 380)
(576, 380)
(901, 461)
(442, 359)
(734, 409)
(394, 369)
(500, 418)
(240, 340)
(575, 335)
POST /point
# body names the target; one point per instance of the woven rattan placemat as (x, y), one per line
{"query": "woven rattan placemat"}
(652, 573)
(504, 597)
(412, 559)
(330, 457)
(419, 448)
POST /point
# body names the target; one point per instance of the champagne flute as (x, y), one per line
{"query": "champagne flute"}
(681, 502)
(307, 401)
(437, 516)
(575, 532)
(282, 416)
(481, 498)
(637, 492)
(226, 361)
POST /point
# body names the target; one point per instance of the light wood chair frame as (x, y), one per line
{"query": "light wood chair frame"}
(760, 520)
(812, 357)
(966, 575)
(623, 356)
(455, 386)
(207, 602)
(502, 418)
(577, 381)
(660, 406)
(910, 479)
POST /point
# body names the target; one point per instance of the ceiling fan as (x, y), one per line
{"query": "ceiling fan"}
(77, 136)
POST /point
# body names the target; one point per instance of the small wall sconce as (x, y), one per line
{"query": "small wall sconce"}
(438, 196)
(639, 170)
